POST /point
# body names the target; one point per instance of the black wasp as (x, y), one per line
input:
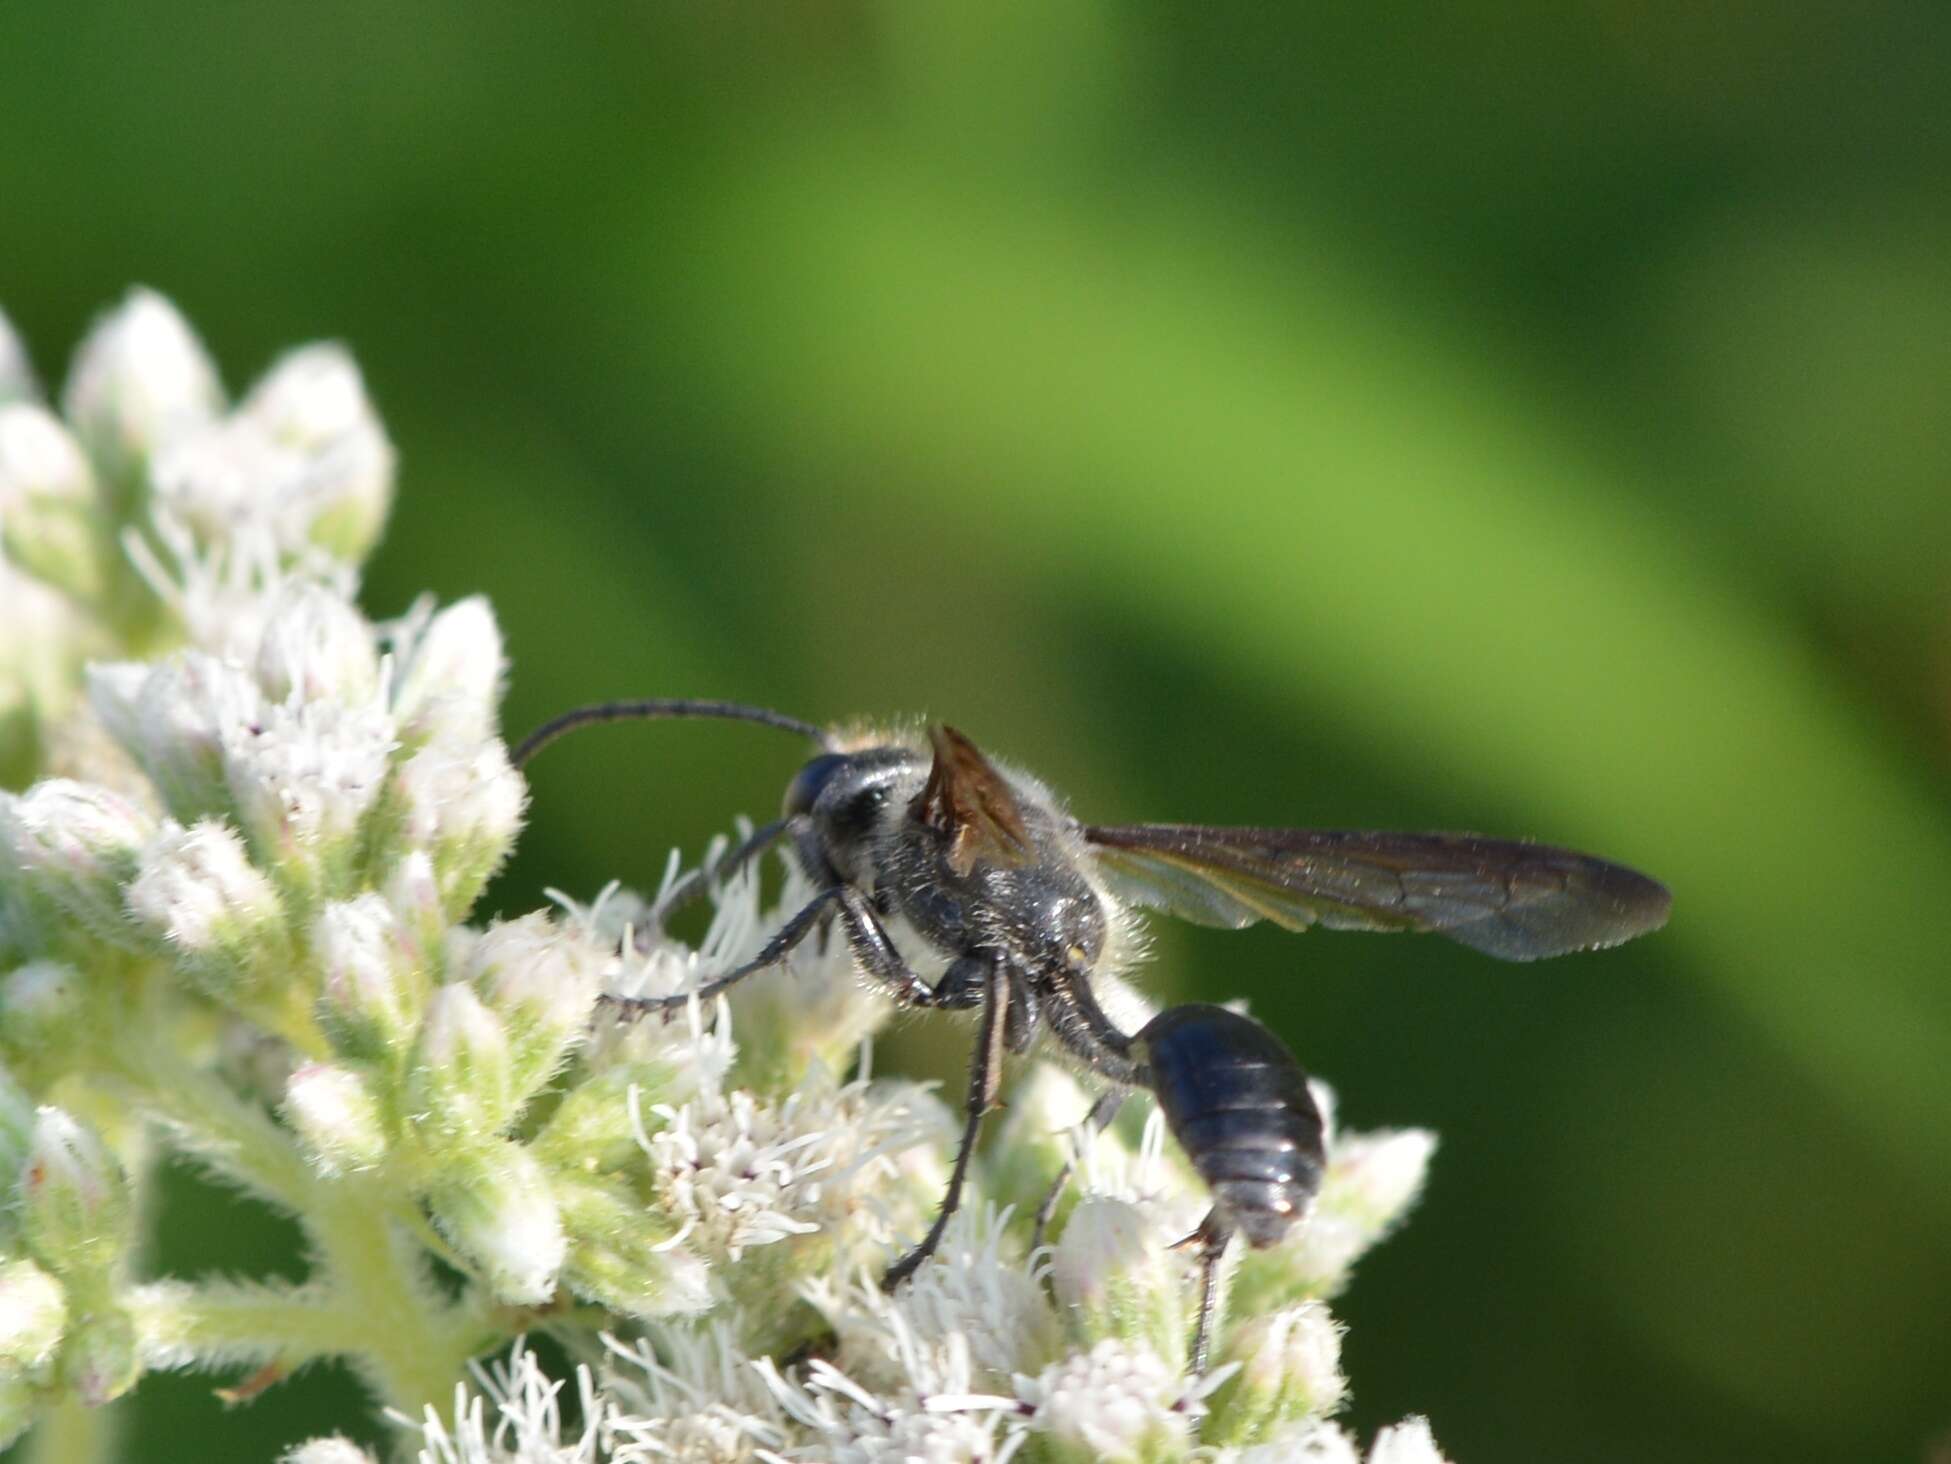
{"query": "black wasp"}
(984, 865)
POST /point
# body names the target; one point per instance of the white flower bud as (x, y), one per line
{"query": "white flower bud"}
(43, 641)
(1370, 1184)
(115, 694)
(462, 802)
(1408, 1442)
(310, 397)
(622, 1256)
(140, 380)
(542, 980)
(73, 1198)
(40, 1008)
(16, 381)
(372, 994)
(74, 845)
(461, 1076)
(33, 1315)
(497, 1208)
(303, 777)
(590, 1131)
(333, 1450)
(302, 464)
(450, 675)
(1379, 1175)
(1112, 1269)
(337, 1117)
(173, 719)
(39, 459)
(48, 504)
(1313, 1442)
(1116, 1402)
(1290, 1368)
(316, 647)
(221, 483)
(413, 893)
(197, 890)
(313, 404)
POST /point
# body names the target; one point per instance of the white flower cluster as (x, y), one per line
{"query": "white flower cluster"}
(234, 895)
(995, 1352)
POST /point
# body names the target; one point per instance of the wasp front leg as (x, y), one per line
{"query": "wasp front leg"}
(985, 1077)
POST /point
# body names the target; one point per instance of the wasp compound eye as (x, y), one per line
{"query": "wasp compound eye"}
(810, 781)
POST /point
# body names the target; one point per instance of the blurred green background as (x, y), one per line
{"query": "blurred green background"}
(1534, 419)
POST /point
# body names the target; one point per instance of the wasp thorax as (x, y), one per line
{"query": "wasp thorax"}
(1077, 923)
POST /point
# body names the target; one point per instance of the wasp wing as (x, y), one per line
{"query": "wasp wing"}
(1513, 900)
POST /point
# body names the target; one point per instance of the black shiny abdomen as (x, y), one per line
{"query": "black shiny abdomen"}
(1238, 1104)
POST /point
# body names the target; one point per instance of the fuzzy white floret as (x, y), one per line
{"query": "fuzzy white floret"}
(197, 887)
(140, 380)
(1117, 1401)
(39, 459)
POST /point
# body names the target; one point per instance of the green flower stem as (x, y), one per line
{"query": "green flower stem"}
(243, 1322)
(411, 1345)
(70, 1432)
(288, 1014)
(208, 1119)
(372, 1303)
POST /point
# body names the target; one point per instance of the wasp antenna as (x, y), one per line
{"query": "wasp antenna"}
(656, 710)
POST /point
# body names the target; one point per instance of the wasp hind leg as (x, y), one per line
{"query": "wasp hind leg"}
(1211, 1238)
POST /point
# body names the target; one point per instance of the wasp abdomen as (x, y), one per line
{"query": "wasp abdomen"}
(1238, 1104)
